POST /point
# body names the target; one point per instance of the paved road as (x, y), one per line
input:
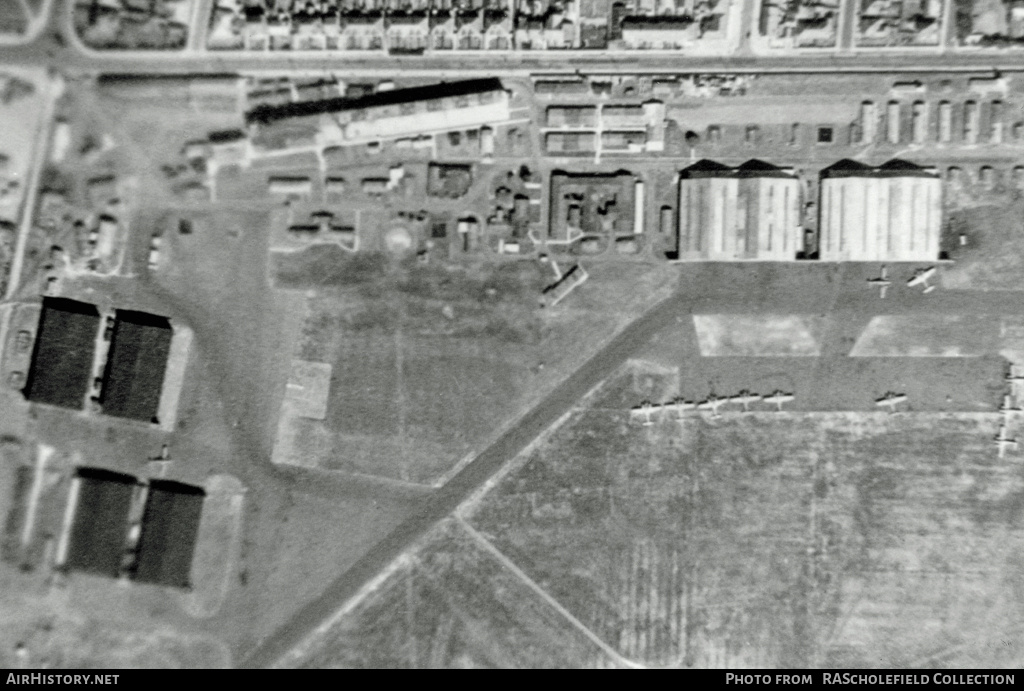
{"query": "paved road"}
(70, 61)
(59, 48)
(462, 485)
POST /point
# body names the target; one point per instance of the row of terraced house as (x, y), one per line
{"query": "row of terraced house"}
(413, 26)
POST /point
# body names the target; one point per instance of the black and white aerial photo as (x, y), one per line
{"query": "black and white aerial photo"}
(516, 334)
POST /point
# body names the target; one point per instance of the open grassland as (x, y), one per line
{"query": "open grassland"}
(429, 362)
(451, 604)
(991, 259)
(774, 540)
(82, 627)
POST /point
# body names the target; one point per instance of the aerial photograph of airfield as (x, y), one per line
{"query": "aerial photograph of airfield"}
(512, 334)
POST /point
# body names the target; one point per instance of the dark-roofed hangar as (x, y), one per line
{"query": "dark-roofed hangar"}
(99, 533)
(134, 377)
(99, 540)
(63, 356)
(169, 528)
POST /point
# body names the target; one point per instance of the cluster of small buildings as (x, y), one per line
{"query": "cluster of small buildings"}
(546, 24)
(97, 231)
(883, 213)
(899, 22)
(909, 117)
(516, 205)
(362, 25)
(153, 24)
(322, 227)
(660, 87)
(799, 23)
(423, 25)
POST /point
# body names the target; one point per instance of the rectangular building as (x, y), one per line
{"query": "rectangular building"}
(738, 214)
(623, 117)
(99, 531)
(383, 115)
(134, 376)
(170, 525)
(889, 213)
(572, 116)
(62, 361)
(560, 289)
(570, 142)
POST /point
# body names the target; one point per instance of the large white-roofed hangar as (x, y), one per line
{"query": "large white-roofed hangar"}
(891, 212)
(751, 212)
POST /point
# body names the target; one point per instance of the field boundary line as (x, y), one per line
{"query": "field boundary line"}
(486, 544)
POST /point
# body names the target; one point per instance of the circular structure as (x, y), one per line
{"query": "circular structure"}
(398, 239)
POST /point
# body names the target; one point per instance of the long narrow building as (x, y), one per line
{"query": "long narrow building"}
(381, 116)
(738, 214)
(887, 213)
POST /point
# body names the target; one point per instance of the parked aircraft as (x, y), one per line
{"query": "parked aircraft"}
(746, 398)
(1004, 442)
(882, 282)
(713, 403)
(891, 400)
(921, 278)
(778, 398)
(1016, 380)
(679, 406)
(645, 410)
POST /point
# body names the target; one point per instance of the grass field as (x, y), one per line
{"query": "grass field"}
(429, 361)
(451, 604)
(58, 632)
(773, 541)
(991, 259)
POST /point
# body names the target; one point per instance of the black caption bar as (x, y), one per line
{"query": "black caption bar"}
(872, 678)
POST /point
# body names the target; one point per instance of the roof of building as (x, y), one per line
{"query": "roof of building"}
(732, 216)
(100, 528)
(657, 22)
(63, 357)
(880, 215)
(170, 525)
(134, 378)
(267, 114)
(407, 18)
(560, 86)
(896, 168)
(753, 168)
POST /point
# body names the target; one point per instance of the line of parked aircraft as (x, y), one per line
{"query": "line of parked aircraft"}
(920, 278)
(646, 410)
